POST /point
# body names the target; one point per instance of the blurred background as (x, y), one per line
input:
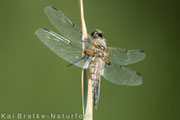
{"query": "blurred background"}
(35, 80)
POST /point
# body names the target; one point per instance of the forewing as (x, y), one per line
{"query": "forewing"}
(121, 75)
(63, 24)
(125, 57)
(64, 48)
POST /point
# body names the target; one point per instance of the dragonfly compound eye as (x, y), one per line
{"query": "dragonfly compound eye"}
(101, 35)
(94, 34)
(97, 33)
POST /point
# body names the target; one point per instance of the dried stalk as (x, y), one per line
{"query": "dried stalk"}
(87, 96)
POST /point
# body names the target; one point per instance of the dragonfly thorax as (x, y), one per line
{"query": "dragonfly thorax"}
(95, 53)
(99, 53)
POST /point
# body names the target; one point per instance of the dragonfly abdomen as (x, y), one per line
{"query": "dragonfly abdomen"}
(96, 70)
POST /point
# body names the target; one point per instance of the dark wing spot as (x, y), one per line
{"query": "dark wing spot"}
(55, 8)
(138, 74)
(46, 29)
(73, 25)
(109, 63)
(120, 67)
(142, 51)
(126, 50)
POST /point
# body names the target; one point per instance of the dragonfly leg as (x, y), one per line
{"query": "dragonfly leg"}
(108, 62)
(77, 60)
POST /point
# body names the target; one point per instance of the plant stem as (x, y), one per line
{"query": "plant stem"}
(87, 96)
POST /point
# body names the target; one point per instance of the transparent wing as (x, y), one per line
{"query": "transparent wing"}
(63, 24)
(66, 27)
(121, 75)
(125, 57)
(66, 49)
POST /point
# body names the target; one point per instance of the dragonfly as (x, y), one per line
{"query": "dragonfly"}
(98, 58)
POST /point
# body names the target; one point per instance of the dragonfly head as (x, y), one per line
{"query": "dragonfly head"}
(97, 34)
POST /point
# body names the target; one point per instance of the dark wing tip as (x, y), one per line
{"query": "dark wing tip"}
(46, 29)
(142, 51)
(49, 8)
(138, 73)
(120, 66)
(54, 8)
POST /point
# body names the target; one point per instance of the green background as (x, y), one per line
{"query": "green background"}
(34, 80)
